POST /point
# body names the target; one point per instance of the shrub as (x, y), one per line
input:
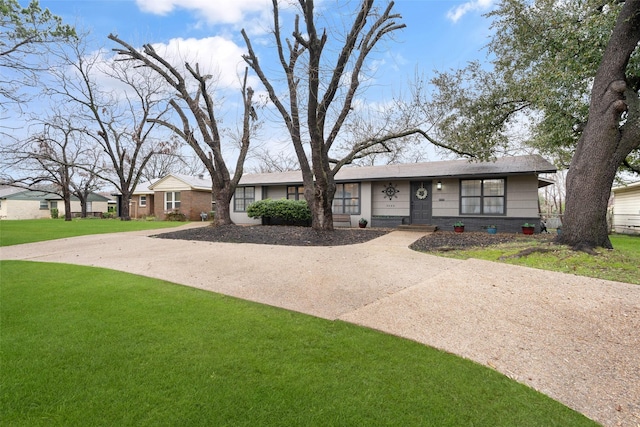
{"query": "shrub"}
(54, 213)
(286, 209)
(175, 216)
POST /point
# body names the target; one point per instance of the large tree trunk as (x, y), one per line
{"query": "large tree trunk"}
(223, 206)
(605, 142)
(66, 197)
(321, 203)
(83, 203)
(125, 207)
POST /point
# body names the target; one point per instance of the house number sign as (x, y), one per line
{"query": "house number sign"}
(422, 192)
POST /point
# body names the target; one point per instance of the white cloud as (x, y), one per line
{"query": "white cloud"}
(475, 5)
(217, 56)
(211, 11)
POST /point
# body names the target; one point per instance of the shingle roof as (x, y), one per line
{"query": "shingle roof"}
(627, 187)
(427, 170)
(8, 192)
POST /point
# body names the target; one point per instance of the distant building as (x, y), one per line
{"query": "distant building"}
(626, 209)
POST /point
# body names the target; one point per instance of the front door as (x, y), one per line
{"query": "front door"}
(421, 202)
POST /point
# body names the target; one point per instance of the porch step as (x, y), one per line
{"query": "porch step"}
(418, 227)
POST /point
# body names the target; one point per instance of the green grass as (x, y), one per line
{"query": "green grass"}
(87, 346)
(36, 230)
(620, 264)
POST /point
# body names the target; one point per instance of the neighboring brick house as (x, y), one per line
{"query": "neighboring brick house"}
(190, 195)
(141, 204)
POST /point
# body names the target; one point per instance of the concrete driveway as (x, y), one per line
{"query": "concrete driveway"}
(573, 338)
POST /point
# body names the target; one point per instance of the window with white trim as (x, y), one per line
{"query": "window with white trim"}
(243, 197)
(482, 196)
(143, 200)
(347, 199)
(171, 200)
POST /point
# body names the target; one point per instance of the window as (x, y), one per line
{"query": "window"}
(243, 197)
(44, 205)
(172, 200)
(295, 192)
(347, 199)
(143, 200)
(482, 197)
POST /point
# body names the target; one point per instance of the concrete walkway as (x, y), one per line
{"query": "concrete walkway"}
(573, 338)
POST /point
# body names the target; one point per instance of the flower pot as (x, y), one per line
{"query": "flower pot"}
(492, 230)
(528, 230)
(361, 225)
(458, 228)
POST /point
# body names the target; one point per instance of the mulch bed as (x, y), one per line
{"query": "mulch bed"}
(307, 236)
(450, 241)
(277, 235)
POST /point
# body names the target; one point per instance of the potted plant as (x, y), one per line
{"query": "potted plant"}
(458, 227)
(362, 223)
(528, 228)
(492, 229)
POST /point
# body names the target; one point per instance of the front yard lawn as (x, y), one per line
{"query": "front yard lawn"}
(36, 230)
(88, 346)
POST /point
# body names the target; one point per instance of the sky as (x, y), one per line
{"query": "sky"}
(439, 34)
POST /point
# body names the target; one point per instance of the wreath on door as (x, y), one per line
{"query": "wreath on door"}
(422, 192)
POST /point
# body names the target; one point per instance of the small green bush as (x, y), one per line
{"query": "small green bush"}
(286, 209)
(54, 213)
(109, 215)
(175, 216)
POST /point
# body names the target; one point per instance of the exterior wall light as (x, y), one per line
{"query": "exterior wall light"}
(439, 185)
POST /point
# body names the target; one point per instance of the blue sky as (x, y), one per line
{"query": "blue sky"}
(439, 35)
(433, 39)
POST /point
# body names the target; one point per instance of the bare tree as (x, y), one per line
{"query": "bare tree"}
(116, 118)
(278, 162)
(205, 138)
(322, 91)
(173, 160)
(52, 160)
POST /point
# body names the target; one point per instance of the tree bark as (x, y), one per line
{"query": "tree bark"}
(125, 211)
(606, 140)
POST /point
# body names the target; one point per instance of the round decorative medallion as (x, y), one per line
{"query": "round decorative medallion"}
(421, 193)
(390, 191)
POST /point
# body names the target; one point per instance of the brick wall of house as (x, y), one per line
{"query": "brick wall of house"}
(192, 203)
(158, 204)
(137, 211)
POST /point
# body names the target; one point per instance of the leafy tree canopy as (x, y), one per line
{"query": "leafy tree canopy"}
(544, 56)
(23, 33)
